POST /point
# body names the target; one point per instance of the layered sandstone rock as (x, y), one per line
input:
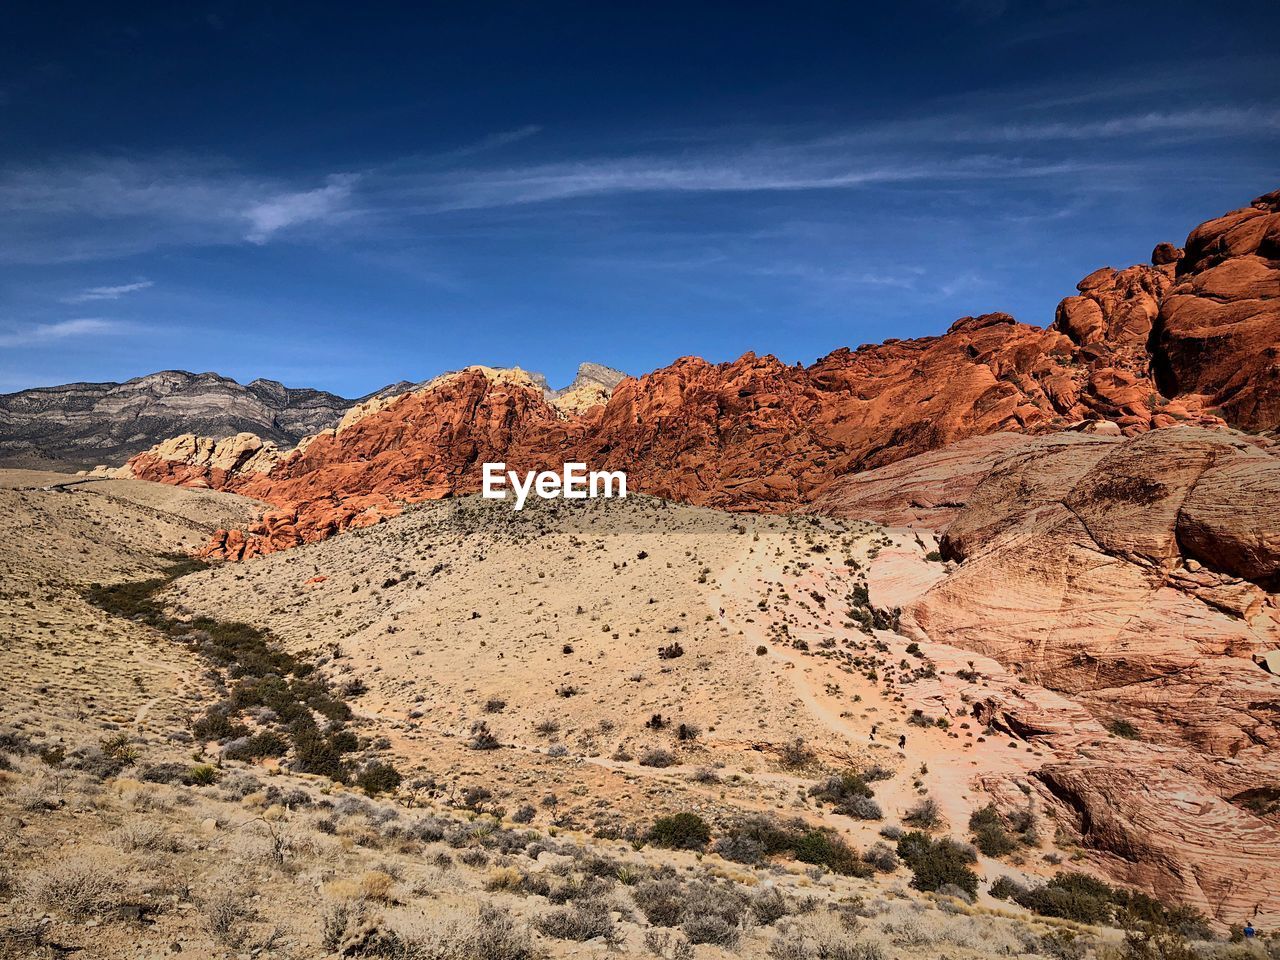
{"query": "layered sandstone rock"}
(191, 461)
(1219, 326)
(1134, 578)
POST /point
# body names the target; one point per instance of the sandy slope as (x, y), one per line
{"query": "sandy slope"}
(68, 667)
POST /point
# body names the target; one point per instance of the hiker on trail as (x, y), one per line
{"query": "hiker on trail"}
(1249, 932)
(873, 731)
(902, 742)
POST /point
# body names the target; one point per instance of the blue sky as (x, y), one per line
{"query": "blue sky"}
(341, 198)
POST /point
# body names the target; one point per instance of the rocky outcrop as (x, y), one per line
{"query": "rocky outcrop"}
(1136, 578)
(80, 425)
(592, 387)
(1218, 332)
(191, 461)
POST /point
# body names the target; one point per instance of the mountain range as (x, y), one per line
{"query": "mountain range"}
(81, 425)
(1192, 338)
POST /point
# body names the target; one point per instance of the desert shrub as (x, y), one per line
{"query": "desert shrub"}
(482, 738)
(79, 885)
(769, 906)
(795, 754)
(216, 724)
(1071, 896)
(666, 945)
(1124, 729)
(377, 885)
(740, 848)
(201, 775)
(524, 813)
(661, 901)
(339, 920)
(849, 794)
(713, 913)
(825, 849)
(265, 743)
(711, 929)
(313, 752)
(225, 912)
(681, 831)
(934, 863)
(822, 937)
(989, 834)
(658, 757)
(580, 921)
(378, 777)
(924, 814)
(37, 795)
(494, 934)
(163, 773)
(882, 857)
(1005, 888)
(140, 834)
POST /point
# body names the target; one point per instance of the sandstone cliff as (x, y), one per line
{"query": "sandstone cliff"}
(1137, 578)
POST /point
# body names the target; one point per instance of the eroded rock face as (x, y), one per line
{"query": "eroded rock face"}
(191, 461)
(1134, 577)
(1219, 326)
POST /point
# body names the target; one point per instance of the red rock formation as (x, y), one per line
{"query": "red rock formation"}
(756, 434)
(1219, 326)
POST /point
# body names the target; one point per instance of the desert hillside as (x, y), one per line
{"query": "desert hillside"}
(511, 669)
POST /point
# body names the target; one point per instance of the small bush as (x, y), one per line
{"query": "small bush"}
(934, 863)
(795, 754)
(201, 775)
(79, 885)
(658, 757)
(989, 834)
(769, 906)
(882, 857)
(711, 929)
(226, 912)
(266, 743)
(1071, 896)
(828, 850)
(661, 901)
(1124, 729)
(378, 777)
(924, 814)
(482, 738)
(1005, 888)
(580, 921)
(848, 794)
(681, 831)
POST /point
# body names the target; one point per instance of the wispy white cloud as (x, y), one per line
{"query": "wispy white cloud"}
(1204, 121)
(101, 208)
(270, 216)
(109, 293)
(59, 331)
